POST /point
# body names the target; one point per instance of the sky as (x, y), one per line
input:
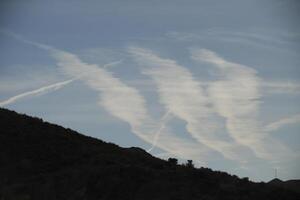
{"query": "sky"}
(217, 82)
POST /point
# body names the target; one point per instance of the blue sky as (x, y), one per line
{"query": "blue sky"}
(217, 82)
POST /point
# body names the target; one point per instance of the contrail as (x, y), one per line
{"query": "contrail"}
(48, 88)
(20, 38)
(283, 122)
(112, 64)
(164, 120)
(45, 89)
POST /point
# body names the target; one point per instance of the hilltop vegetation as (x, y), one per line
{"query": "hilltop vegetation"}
(42, 161)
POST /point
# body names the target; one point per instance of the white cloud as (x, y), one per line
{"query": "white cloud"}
(236, 97)
(123, 102)
(40, 91)
(127, 104)
(184, 97)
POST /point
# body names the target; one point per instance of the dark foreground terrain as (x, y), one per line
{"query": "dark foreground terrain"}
(39, 160)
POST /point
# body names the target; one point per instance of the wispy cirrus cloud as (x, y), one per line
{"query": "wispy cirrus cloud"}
(236, 97)
(39, 91)
(184, 97)
(233, 98)
(127, 104)
(123, 102)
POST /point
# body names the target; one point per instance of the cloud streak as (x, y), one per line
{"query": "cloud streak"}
(40, 91)
(123, 102)
(184, 97)
(236, 97)
(233, 98)
(127, 104)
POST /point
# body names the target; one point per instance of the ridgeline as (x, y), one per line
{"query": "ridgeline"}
(43, 161)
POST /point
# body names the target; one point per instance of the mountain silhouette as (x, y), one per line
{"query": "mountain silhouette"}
(43, 161)
(290, 184)
(276, 181)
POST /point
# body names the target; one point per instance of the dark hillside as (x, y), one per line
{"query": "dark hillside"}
(39, 160)
(290, 184)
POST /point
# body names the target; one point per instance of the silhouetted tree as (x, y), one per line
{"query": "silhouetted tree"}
(189, 164)
(172, 161)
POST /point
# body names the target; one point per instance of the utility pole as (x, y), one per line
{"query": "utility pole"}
(275, 173)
